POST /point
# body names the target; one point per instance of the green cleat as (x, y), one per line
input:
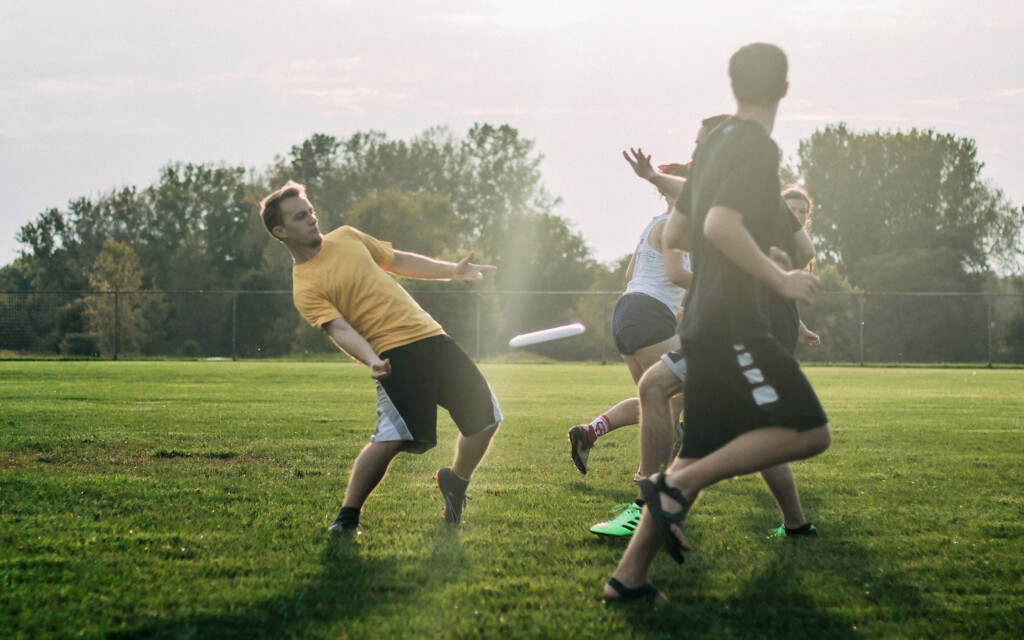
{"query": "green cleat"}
(783, 531)
(622, 525)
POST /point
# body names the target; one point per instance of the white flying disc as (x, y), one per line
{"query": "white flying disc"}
(546, 335)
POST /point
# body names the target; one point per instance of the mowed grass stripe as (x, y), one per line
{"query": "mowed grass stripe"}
(189, 499)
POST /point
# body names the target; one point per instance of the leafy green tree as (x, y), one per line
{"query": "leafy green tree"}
(909, 212)
(53, 262)
(423, 222)
(488, 175)
(116, 269)
(915, 194)
(196, 235)
(17, 276)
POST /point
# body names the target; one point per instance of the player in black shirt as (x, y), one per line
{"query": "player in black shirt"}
(747, 405)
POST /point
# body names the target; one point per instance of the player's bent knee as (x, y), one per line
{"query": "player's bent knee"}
(821, 439)
(658, 387)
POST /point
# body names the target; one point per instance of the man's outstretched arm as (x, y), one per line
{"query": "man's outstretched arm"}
(413, 265)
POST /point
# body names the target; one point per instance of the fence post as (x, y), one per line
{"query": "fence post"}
(604, 329)
(234, 326)
(861, 339)
(117, 324)
(478, 325)
(988, 300)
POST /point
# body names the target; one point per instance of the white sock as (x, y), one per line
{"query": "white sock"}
(599, 426)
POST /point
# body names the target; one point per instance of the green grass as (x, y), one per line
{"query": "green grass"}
(190, 499)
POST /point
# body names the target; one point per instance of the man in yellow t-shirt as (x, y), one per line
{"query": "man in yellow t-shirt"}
(341, 286)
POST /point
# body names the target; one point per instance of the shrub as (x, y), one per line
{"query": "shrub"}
(80, 344)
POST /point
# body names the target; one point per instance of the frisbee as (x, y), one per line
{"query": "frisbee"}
(546, 335)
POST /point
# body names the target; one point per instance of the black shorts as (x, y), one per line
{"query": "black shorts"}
(426, 374)
(640, 321)
(731, 389)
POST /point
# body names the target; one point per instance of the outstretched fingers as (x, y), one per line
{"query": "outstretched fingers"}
(640, 163)
(466, 272)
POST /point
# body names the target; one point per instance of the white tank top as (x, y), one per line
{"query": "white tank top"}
(649, 277)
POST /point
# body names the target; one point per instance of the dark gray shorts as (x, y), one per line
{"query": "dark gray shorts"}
(640, 321)
(427, 374)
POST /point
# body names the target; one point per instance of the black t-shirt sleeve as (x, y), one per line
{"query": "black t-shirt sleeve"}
(752, 182)
(790, 217)
(786, 229)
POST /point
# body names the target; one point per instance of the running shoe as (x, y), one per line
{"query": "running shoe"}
(580, 447)
(347, 529)
(783, 531)
(454, 491)
(622, 525)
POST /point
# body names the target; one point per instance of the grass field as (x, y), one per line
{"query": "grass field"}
(190, 500)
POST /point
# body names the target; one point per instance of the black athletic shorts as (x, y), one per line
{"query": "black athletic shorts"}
(731, 389)
(426, 374)
(640, 321)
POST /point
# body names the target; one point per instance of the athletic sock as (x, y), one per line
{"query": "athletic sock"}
(797, 531)
(597, 428)
(348, 516)
(459, 481)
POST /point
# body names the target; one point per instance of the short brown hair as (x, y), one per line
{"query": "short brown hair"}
(758, 73)
(270, 207)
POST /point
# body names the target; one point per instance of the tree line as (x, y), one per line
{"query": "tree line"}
(903, 211)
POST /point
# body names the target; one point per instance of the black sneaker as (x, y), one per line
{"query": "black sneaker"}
(454, 491)
(348, 529)
(580, 447)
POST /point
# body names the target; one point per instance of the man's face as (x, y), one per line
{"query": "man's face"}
(799, 208)
(299, 223)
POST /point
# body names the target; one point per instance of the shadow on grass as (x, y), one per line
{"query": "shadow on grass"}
(804, 591)
(614, 493)
(343, 598)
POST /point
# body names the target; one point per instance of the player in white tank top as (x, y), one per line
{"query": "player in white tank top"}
(649, 275)
(659, 274)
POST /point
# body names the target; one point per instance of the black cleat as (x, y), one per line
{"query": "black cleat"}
(453, 489)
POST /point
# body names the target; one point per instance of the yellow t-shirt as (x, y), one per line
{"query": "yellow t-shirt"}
(346, 279)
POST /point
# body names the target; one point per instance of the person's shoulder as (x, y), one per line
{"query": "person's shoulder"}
(751, 135)
(343, 231)
(345, 235)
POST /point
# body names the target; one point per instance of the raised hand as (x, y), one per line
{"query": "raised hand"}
(641, 163)
(466, 272)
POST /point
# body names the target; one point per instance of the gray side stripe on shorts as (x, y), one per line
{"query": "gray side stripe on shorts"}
(498, 417)
(390, 425)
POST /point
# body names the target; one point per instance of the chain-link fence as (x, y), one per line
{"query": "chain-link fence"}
(854, 327)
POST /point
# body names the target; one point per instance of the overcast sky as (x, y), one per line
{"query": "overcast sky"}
(101, 94)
